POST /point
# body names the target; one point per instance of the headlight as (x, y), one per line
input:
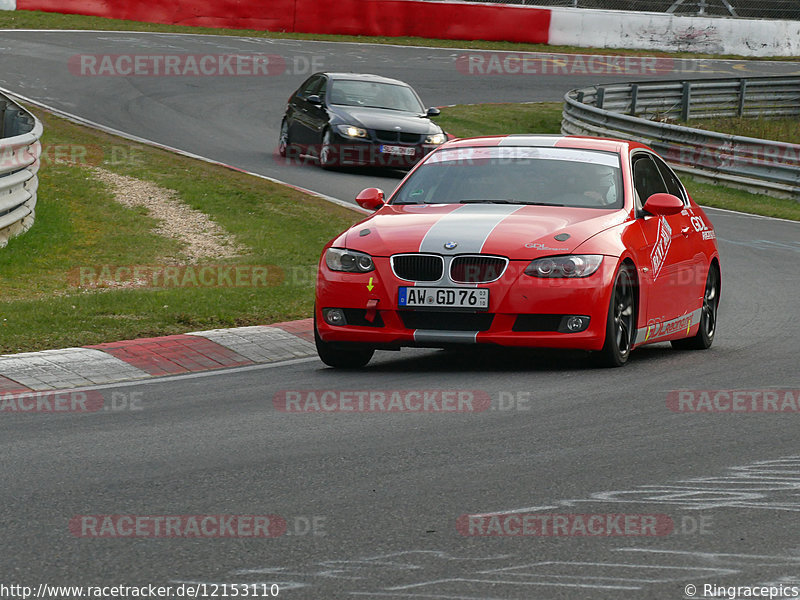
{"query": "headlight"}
(436, 138)
(349, 261)
(351, 131)
(574, 265)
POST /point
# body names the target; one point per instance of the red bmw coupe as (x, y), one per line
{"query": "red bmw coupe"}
(531, 241)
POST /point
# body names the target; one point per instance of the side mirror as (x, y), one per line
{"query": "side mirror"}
(370, 198)
(314, 99)
(433, 112)
(664, 204)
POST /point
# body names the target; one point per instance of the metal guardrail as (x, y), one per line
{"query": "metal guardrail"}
(637, 111)
(20, 150)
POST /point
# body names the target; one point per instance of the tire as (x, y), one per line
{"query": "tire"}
(327, 152)
(704, 337)
(342, 355)
(283, 139)
(621, 321)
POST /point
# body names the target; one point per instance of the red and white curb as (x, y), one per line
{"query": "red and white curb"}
(143, 358)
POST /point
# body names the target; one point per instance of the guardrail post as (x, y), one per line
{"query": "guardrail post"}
(686, 99)
(634, 98)
(3, 105)
(579, 97)
(742, 94)
(601, 92)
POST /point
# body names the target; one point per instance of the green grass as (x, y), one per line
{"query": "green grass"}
(23, 19)
(78, 224)
(545, 117)
(782, 130)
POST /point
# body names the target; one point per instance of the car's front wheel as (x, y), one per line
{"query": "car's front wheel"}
(621, 321)
(327, 152)
(342, 355)
(708, 316)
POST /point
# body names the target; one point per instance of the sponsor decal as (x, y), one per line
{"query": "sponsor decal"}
(657, 329)
(659, 253)
(710, 235)
(539, 246)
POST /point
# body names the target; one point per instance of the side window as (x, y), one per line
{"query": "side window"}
(674, 186)
(310, 86)
(323, 84)
(647, 179)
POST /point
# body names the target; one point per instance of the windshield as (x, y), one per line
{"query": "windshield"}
(516, 175)
(371, 94)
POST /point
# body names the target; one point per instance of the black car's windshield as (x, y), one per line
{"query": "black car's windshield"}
(351, 92)
(518, 175)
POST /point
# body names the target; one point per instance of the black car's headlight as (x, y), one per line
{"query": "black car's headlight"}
(349, 261)
(572, 265)
(352, 131)
(436, 138)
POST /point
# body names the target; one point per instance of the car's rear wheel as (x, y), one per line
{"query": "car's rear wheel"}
(342, 355)
(708, 316)
(327, 152)
(621, 321)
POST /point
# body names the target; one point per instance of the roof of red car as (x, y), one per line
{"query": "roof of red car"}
(561, 141)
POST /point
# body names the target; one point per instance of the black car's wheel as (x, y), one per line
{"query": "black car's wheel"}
(708, 316)
(283, 139)
(327, 152)
(342, 355)
(621, 322)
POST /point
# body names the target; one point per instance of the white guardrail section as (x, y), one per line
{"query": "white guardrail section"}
(647, 112)
(20, 150)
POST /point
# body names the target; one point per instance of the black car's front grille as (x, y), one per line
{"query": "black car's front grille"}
(477, 268)
(397, 136)
(446, 321)
(418, 267)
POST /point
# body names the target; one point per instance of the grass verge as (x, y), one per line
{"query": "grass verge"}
(545, 117)
(782, 130)
(23, 19)
(43, 303)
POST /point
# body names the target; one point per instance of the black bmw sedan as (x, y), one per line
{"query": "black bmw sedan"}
(352, 119)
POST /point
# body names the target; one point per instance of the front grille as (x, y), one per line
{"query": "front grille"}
(397, 136)
(477, 269)
(418, 267)
(537, 322)
(446, 321)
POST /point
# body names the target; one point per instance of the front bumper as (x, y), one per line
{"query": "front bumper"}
(523, 311)
(357, 153)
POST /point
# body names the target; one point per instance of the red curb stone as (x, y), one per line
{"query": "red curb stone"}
(304, 328)
(9, 386)
(174, 354)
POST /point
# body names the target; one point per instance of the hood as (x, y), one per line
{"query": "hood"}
(378, 118)
(518, 232)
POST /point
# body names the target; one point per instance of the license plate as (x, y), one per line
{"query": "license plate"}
(428, 297)
(398, 150)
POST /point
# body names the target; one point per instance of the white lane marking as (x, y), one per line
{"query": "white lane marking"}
(141, 140)
(713, 555)
(515, 511)
(512, 582)
(748, 215)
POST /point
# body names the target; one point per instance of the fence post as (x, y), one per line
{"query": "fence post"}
(634, 98)
(686, 100)
(742, 93)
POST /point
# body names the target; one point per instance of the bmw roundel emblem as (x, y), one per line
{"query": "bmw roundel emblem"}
(450, 245)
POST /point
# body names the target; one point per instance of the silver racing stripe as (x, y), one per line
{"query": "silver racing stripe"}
(659, 329)
(469, 225)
